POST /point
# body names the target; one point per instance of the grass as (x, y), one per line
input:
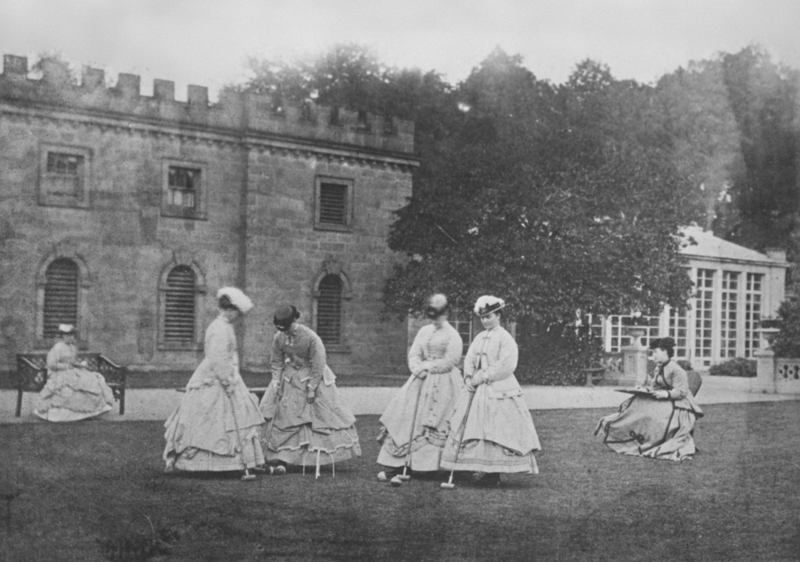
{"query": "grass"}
(92, 490)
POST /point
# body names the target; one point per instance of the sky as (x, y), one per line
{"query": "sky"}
(207, 42)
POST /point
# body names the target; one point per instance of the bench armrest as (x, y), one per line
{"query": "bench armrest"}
(30, 376)
(113, 373)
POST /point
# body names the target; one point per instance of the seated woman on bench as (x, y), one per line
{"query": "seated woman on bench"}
(72, 392)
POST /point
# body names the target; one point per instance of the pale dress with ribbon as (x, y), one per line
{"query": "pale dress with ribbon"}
(212, 430)
(499, 435)
(433, 398)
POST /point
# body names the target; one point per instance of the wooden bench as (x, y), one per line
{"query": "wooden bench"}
(31, 375)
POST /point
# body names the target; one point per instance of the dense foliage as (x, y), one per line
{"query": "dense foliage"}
(787, 342)
(738, 367)
(555, 198)
(566, 197)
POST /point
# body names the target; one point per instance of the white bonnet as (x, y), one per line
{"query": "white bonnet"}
(237, 298)
(487, 304)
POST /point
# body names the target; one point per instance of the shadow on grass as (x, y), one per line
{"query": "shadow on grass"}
(98, 492)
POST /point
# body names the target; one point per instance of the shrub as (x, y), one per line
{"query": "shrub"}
(787, 342)
(738, 367)
(556, 357)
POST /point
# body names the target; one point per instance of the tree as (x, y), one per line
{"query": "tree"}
(542, 203)
(764, 186)
(351, 76)
(704, 136)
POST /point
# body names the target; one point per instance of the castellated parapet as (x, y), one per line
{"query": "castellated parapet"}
(238, 113)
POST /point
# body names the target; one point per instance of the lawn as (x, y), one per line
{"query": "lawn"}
(92, 487)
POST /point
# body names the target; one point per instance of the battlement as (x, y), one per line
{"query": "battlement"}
(242, 113)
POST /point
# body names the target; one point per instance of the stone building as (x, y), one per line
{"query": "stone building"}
(124, 214)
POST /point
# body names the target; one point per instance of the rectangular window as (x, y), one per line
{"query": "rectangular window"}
(704, 315)
(752, 313)
(184, 187)
(70, 165)
(729, 317)
(678, 330)
(334, 204)
(63, 176)
(462, 322)
(182, 183)
(618, 336)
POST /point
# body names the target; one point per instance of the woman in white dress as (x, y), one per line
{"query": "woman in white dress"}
(217, 425)
(72, 392)
(499, 436)
(417, 416)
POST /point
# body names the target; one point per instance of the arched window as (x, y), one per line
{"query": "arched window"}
(60, 296)
(329, 310)
(180, 309)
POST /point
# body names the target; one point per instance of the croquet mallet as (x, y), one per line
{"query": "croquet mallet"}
(405, 476)
(449, 484)
(247, 475)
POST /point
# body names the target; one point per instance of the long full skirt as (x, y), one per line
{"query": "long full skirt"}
(433, 399)
(648, 427)
(211, 431)
(306, 434)
(74, 394)
(498, 434)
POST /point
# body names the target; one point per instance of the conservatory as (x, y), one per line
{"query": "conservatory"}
(735, 288)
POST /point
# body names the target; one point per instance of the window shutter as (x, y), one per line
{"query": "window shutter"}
(333, 203)
(60, 296)
(179, 317)
(329, 310)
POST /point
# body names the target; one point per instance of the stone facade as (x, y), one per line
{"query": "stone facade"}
(254, 222)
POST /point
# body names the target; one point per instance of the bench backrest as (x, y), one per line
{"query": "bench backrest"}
(32, 369)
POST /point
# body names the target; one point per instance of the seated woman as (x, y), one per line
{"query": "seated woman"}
(491, 431)
(72, 392)
(657, 424)
(414, 425)
(217, 425)
(308, 423)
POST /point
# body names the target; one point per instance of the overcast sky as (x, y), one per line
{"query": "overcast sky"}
(206, 42)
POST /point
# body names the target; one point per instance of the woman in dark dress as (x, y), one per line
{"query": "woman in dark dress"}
(658, 422)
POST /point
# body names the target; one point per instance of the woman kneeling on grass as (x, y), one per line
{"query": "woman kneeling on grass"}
(657, 423)
(491, 431)
(308, 423)
(217, 425)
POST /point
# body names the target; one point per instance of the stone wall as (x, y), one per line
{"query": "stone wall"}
(260, 165)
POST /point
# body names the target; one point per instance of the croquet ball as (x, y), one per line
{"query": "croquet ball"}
(396, 482)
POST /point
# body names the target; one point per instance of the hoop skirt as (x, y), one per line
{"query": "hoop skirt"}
(651, 428)
(499, 435)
